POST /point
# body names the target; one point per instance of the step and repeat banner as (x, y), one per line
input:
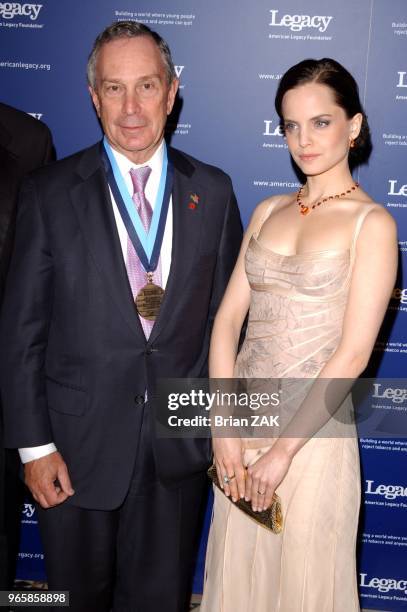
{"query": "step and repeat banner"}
(229, 57)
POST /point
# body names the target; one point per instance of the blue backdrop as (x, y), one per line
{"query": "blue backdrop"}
(229, 57)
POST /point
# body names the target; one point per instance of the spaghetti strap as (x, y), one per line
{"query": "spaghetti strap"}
(358, 226)
(265, 216)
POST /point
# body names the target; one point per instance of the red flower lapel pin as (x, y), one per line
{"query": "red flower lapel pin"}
(193, 201)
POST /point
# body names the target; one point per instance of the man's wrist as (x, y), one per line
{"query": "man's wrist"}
(36, 452)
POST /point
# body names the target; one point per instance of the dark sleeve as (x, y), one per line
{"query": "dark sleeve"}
(24, 326)
(39, 151)
(229, 246)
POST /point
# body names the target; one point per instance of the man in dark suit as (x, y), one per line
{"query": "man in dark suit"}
(83, 341)
(25, 144)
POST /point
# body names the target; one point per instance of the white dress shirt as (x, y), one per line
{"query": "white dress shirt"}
(151, 190)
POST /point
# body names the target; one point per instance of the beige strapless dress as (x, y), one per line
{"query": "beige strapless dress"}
(295, 323)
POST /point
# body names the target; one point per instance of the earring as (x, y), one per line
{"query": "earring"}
(352, 144)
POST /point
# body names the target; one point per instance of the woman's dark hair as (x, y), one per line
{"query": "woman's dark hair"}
(329, 72)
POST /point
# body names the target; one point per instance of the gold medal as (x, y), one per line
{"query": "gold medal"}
(148, 300)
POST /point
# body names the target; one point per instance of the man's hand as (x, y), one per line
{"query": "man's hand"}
(48, 480)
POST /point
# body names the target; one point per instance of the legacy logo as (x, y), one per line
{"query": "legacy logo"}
(400, 295)
(402, 79)
(383, 585)
(395, 190)
(9, 10)
(296, 23)
(397, 396)
(178, 70)
(28, 510)
(386, 491)
(270, 131)
(36, 115)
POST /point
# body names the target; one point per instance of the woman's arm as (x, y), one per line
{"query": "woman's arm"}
(223, 350)
(372, 282)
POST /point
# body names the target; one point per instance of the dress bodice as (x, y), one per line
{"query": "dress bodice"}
(297, 307)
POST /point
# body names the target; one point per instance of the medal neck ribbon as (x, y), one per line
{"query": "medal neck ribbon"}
(146, 244)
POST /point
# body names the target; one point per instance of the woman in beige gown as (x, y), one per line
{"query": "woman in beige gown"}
(316, 274)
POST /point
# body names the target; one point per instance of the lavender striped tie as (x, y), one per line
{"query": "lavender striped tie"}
(136, 273)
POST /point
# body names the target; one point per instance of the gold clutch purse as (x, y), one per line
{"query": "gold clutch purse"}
(271, 519)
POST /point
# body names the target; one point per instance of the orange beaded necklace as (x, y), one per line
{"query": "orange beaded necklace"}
(304, 210)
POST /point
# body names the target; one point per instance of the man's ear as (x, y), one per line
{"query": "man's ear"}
(172, 92)
(95, 99)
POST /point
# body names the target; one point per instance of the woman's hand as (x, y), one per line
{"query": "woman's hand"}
(228, 454)
(264, 476)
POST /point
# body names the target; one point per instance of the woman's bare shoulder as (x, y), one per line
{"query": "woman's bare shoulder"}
(378, 223)
(377, 213)
(372, 213)
(270, 204)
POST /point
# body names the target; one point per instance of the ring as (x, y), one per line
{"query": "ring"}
(227, 479)
(261, 492)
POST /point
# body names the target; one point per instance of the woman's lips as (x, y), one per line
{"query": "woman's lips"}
(309, 157)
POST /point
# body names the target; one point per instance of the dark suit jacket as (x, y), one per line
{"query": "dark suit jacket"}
(25, 144)
(74, 360)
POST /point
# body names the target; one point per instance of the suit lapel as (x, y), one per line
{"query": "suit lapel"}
(92, 203)
(187, 228)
